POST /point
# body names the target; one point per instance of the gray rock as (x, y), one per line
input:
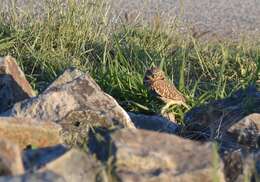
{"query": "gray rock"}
(75, 166)
(242, 165)
(30, 132)
(13, 85)
(247, 130)
(76, 105)
(34, 177)
(153, 122)
(220, 115)
(141, 155)
(10, 159)
(243, 134)
(68, 75)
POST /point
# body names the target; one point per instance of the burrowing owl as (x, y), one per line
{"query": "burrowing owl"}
(156, 81)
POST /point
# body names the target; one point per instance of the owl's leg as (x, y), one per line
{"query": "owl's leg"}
(163, 110)
(168, 104)
(173, 102)
(185, 105)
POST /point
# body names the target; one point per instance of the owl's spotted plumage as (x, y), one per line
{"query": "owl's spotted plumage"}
(157, 83)
(167, 91)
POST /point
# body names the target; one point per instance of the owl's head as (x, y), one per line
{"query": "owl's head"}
(153, 74)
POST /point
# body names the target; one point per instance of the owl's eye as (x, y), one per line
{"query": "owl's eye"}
(158, 74)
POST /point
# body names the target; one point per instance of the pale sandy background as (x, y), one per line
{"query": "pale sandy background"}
(228, 18)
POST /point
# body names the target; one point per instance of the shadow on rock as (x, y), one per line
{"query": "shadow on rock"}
(13, 85)
(39, 177)
(233, 122)
(215, 119)
(154, 123)
(99, 143)
(36, 158)
(10, 92)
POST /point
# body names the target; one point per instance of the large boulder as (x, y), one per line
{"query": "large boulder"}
(76, 105)
(246, 131)
(28, 132)
(13, 85)
(141, 155)
(75, 166)
(10, 159)
(242, 165)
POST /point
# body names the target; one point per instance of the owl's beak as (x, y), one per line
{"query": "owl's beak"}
(147, 80)
(148, 77)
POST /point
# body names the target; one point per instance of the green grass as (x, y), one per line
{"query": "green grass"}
(117, 57)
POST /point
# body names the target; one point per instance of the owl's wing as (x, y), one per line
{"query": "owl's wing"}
(167, 90)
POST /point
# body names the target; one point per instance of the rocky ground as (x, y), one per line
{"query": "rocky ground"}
(73, 131)
(219, 18)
